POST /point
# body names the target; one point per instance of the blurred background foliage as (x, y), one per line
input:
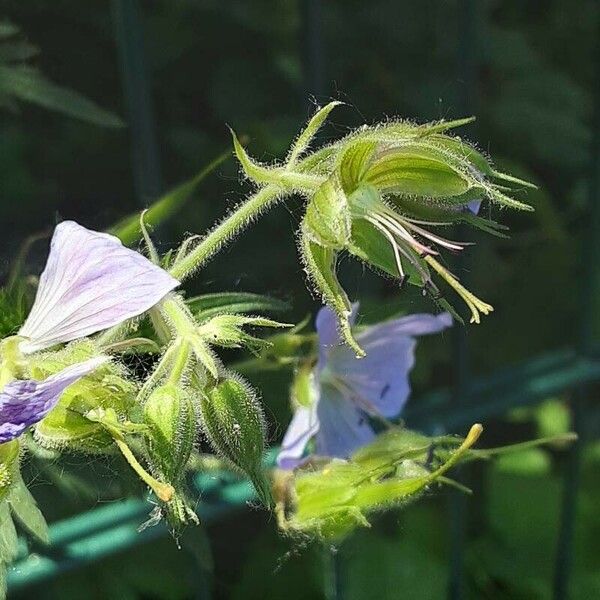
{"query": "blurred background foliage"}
(524, 68)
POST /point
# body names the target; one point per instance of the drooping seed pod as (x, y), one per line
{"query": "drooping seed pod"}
(169, 415)
(235, 426)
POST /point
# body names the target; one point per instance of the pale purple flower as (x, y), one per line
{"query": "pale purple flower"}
(25, 402)
(91, 282)
(347, 390)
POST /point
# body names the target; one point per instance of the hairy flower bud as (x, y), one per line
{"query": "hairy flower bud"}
(381, 193)
(169, 415)
(234, 424)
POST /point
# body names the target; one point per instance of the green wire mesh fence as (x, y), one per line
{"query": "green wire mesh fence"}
(113, 528)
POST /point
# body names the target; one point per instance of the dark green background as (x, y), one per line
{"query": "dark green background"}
(524, 68)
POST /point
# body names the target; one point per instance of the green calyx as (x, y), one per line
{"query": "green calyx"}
(382, 193)
(330, 502)
(170, 417)
(107, 388)
(234, 423)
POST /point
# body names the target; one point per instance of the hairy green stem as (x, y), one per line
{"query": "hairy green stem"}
(223, 232)
(180, 362)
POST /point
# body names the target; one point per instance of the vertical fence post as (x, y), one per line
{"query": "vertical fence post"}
(145, 153)
(144, 146)
(312, 48)
(467, 74)
(590, 301)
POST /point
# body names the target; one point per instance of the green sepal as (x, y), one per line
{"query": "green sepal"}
(305, 138)
(498, 196)
(235, 426)
(205, 356)
(442, 126)
(9, 466)
(419, 173)
(171, 420)
(440, 212)
(354, 164)
(369, 245)
(319, 263)
(328, 215)
(227, 331)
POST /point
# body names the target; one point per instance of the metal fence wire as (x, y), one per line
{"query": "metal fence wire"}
(110, 529)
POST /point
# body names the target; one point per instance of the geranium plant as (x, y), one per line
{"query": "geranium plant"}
(383, 194)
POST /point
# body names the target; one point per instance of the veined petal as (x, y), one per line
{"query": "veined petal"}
(25, 402)
(91, 282)
(343, 427)
(379, 382)
(303, 426)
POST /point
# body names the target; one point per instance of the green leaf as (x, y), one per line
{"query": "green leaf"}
(328, 215)
(320, 267)
(305, 138)
(410, 173)
(128, 229)
(209, 305)
(29, 85)
(24, 507)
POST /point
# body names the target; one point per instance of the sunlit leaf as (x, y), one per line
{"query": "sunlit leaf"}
(128, 229)
(209, 305)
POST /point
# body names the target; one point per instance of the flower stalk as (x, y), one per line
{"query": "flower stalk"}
(224, 231)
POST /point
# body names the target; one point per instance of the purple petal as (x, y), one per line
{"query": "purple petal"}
(343, 428)
(326, 325)
(412, 325)
(301, 429)
(91, 282)
(474, 206)
(25, 402)
(379, 382)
